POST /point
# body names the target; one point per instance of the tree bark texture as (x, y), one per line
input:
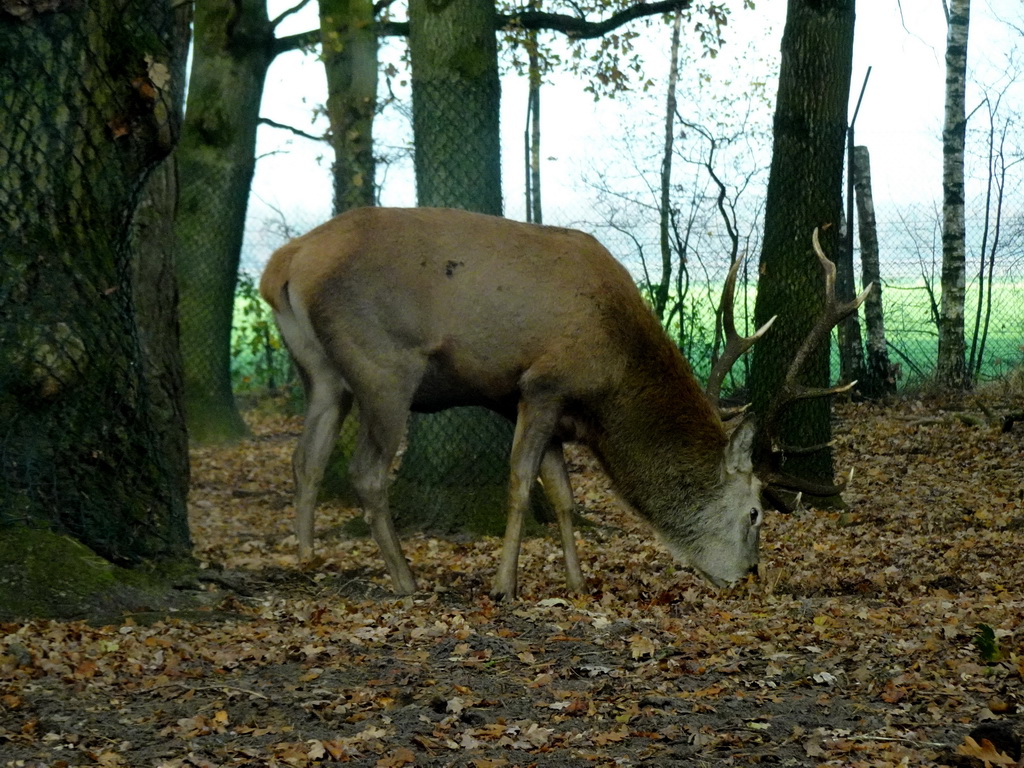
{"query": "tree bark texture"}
(350, 62)
(879, 378)
(87, 94)
(951, 369)
(156, 310)
(804, 192)
(216, 158)
(456, 99)
(534, 209)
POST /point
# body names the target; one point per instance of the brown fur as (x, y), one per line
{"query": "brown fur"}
(425, 309)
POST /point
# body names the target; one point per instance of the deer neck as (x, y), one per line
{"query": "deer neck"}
(662, 444)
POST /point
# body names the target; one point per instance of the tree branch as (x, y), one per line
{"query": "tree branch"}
(293, 129)
(392, 28)
(574, 26)
(579, 27)
(294, 9)
(306, 39)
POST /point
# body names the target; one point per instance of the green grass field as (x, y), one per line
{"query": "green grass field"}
(260, 360)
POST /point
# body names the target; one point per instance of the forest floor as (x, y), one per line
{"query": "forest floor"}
(881, 636)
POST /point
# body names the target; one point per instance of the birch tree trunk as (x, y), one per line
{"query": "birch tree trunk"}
(950, 369)
(534, 211)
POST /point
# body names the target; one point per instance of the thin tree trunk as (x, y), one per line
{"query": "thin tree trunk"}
(534, 211)
(851, 345)
(993, 227)
(350, 61)
(661, 292)
(950, 369)
(879, 378)
(986, 281)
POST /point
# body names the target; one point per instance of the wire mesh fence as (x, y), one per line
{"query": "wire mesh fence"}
(87, 107)
(910, 245)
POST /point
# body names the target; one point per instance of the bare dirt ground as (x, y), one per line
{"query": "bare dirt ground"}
(881, 636)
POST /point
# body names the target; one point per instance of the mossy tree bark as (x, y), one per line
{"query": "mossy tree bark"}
(804, 192)
(456, 101)
(349, 43)
(156, 310)
(216, 159)
(90, 95)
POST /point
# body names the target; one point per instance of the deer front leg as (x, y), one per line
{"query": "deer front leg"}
(555, 477)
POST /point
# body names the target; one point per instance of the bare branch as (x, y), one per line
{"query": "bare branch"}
(579, 27)
(294, 9)
(292, 129)
(296, 42)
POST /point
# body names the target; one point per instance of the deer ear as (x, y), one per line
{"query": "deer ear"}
(741, 444)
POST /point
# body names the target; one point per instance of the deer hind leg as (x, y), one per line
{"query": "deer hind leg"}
(329, 401)
(380, 433)
(558, 489)
(534, 428)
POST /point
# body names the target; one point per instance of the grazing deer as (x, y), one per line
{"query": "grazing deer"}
(425, 309)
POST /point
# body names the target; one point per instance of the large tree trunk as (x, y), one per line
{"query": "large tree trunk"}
(950, 369)
(804, 192)
(454, 475)
(88, 94)
(879, 378)
(456, 100)
(350, 61)
(216, 159)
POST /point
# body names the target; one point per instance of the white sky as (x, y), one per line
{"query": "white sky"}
(900, 119)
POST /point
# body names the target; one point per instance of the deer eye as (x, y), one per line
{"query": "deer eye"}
(755, 516)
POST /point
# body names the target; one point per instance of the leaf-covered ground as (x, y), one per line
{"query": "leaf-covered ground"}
(881, 636)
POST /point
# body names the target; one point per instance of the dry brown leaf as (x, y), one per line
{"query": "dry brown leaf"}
(985, 752)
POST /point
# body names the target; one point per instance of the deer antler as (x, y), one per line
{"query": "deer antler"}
(735, 345)
(791, 391)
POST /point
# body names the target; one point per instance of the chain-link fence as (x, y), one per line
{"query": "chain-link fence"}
(910, 246)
